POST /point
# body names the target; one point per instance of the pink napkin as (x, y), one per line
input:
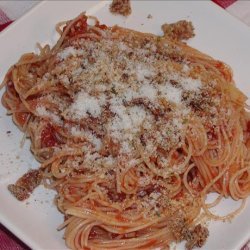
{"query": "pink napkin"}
(12, 10)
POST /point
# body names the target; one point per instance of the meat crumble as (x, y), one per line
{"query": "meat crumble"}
(194, 237)
(25, 185)
(181, 30)
(121, 7)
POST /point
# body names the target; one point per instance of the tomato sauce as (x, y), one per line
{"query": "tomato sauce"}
(179, 196)
(48, 137)
(21, 118)
(120, 218)
(248, 126)
(224, 70)
(79, 27)
(149, 244)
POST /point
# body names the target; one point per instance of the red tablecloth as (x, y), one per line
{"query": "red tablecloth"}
(7, 240)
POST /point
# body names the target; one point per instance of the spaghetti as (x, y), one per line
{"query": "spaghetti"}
(133, 131)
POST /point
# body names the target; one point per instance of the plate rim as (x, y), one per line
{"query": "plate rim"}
(3, 219)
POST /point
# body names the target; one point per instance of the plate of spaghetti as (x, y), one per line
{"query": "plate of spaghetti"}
(141, 141)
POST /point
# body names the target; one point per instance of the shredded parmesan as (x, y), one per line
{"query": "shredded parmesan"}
(85, 105)
(171, 93)
(69, 51)
(41, 110)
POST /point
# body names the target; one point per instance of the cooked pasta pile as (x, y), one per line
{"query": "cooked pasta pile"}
(133, 131)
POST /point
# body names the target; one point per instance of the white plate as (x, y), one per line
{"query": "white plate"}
(217, 33)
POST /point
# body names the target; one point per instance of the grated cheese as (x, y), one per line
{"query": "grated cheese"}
(172, 94)
(85, 105)
(143, 72)
(69, 51)
(105, 79)
(148, 91)
(88, 135)
(41, 111)
(190, 84)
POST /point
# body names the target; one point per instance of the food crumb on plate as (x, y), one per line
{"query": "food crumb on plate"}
(121, 7)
